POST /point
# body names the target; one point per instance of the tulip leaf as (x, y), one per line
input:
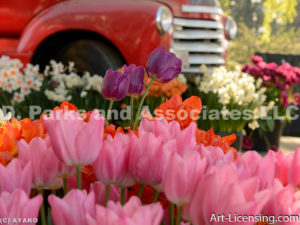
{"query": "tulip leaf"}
(49, 217)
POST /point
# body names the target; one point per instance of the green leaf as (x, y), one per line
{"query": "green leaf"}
(49, 217)
(270, 124)
(263, 125)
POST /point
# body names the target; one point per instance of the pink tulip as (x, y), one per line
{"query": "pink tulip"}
(294, 173)
(74, 141)
(43, 160)
(133, 209)
(73, 208)
(112, 164)
(147, 159)
(17, 205)
(248, 163)
(280, 201)
(181, 176)
(220, 192)
(282, 167)
(13, 176)
(215, 154)
(105, 216)
(266, 171)
(160, 128)
(65, 171)
(184, 141)
(132, 213)
(283, 201)
(252, 164)
(99, 189)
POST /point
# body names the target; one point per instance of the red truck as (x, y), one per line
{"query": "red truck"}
(102, 34)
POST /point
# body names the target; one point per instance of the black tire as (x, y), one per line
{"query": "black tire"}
(90, 55)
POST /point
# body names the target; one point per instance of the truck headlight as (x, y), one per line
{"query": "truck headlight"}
(164, 20)
(230, 28)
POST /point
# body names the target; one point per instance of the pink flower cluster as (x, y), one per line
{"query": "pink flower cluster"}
(200, 181)
(282, 77)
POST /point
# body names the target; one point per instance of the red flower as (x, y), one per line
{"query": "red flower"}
(247, 143)
(284, 99)
(256, 59)
(296, 99)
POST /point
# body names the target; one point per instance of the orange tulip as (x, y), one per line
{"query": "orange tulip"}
(182, 112)
(31, 129)
(210, 139)
(12, 132)
(170, 89)
(66, 106)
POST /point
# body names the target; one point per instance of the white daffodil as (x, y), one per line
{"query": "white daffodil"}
(25, 90)
(253, 125)
(83, 94)
(36, 85)
(18, 97)
(71, 66)
(31, 71)
(4, 118)
(181, 78)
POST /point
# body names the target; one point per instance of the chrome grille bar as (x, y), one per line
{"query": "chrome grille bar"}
(197, 23)
(198, 47)
(201, 9)
(206, 59)
(198, 34)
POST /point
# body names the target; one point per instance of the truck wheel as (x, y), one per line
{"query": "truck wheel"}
(90, 55)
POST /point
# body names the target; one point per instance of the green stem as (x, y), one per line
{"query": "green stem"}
(156, 194)
(178, 215)
(42, 210)
(111, 102)
(131, 112)
(142, 102)
(141, 188)
(107, 193)
(34, 192)
(266, 140)
(251, 133)
(65, 186)
(123, 190)
(172, 214)
(53, 192)
(78, 175)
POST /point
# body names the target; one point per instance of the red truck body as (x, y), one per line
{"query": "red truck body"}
(198, 34)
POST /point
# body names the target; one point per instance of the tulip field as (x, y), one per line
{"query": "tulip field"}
(78, 168)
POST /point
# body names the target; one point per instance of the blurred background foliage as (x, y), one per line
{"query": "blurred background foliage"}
(266, 26)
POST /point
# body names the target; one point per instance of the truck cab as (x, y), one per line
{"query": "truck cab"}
(101, 34)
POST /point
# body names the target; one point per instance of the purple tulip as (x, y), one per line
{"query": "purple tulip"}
(162, 65)
(115, 85)
(136, 76)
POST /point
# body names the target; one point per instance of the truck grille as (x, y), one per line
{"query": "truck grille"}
(201, 40)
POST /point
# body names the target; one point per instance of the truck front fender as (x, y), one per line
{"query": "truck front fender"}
(129, 25)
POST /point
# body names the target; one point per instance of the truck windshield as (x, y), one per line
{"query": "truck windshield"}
(206, 2)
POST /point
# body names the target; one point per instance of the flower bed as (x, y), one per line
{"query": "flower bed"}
(162, 169)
